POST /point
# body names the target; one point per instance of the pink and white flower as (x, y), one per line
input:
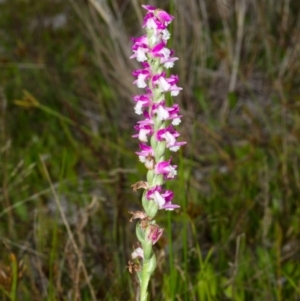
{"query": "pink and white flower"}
(137, 253)
(161, 111)
(168, 62)
(162, 198)
(161, 82)
(155, 233)
(142, 101)
(170, 135)
(144, 130)
(160, 50)
(166, 169)
(146, 151)
(162, 16)
(142, 75)
(173, 114)
(174, 89)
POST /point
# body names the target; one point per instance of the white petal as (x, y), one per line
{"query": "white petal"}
(138, 108)
(151, 24)
(162, 113)
(160, 201)
(170, 139)
(164, 85)
(174, 148)
(149, 163)
(169, 65)
(172, 172)
(142, 159)
(141, 81)
(140, 54)
(176, 121)
(166, 52)
(143, 135)
(138, 252)
(175, 92)
(166, 34)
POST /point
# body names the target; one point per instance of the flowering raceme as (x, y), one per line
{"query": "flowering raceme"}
(156, 133)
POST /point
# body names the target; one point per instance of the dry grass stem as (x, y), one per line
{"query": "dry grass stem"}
(71, 236)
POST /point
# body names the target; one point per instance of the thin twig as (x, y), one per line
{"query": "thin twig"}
(241, 11)
(71, 236)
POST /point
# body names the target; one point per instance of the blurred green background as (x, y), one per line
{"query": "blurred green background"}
(68, 161)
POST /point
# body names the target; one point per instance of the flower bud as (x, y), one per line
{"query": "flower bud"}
(147, 248)
(152, 264)
(150, 176)
(150, 207)
(140, 233)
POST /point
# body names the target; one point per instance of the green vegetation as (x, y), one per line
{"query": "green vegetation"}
(67, 157)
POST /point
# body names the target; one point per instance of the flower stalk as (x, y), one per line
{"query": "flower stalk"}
(156, 133)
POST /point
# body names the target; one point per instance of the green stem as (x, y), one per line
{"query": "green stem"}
(14, 265)
(171, 260)
(145, 281)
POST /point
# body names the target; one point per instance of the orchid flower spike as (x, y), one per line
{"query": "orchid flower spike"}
(156, 133)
